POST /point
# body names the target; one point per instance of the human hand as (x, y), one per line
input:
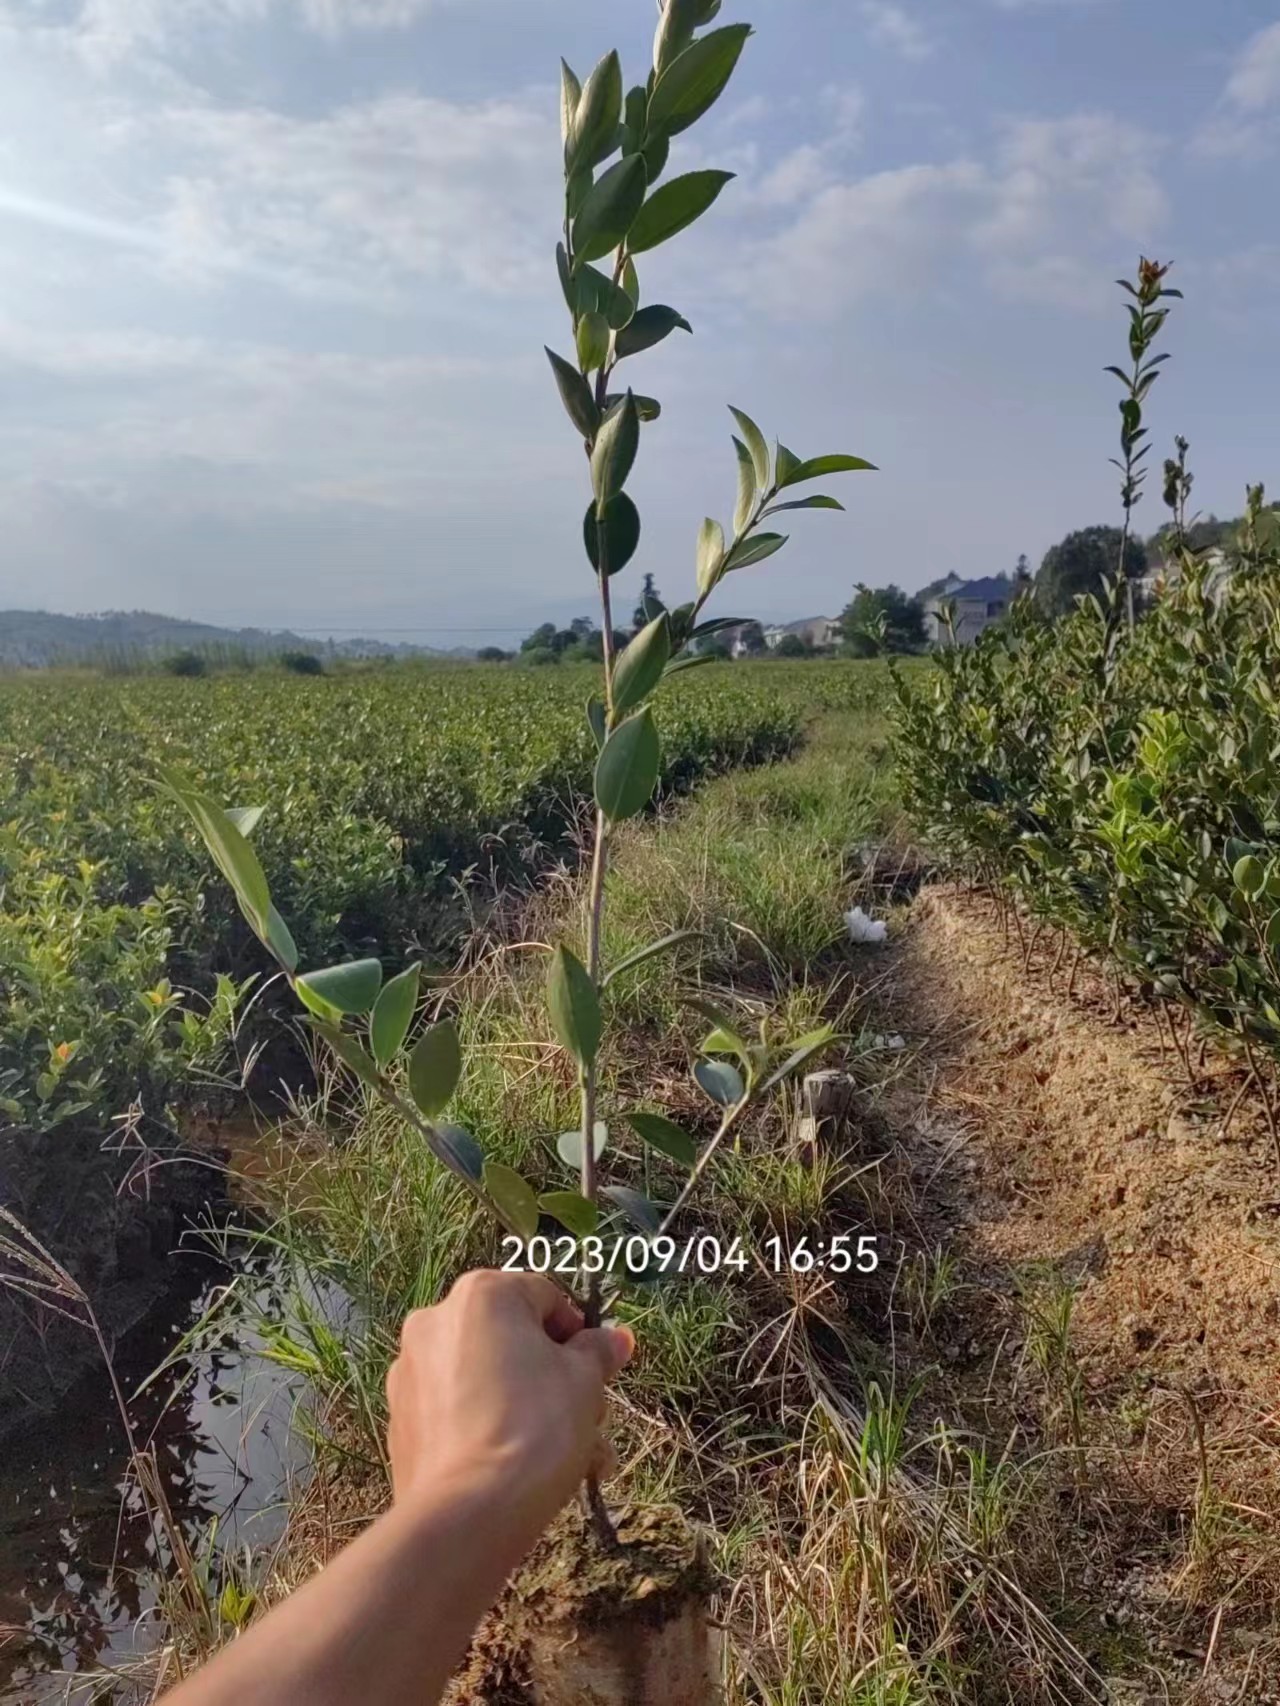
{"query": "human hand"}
(501, 1383)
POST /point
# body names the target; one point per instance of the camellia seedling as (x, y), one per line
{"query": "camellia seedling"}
(618, 206)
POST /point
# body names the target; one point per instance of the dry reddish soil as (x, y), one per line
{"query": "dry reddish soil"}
(1065, 1148)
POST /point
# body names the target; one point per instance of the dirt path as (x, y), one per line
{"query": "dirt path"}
(1123, 1252)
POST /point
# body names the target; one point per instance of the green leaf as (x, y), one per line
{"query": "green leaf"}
(677, 21)
(651, 950)
(569, 1145)
(804, 503)
(231, 852)
(639, 669)
(656, 151)
(597, 294)
(755, 444)
(567, 283)
(570, 95)
(597, 721)
(637, 1209)
(621, 526)
(710, 554)
(721, 1042)
(786, 462)
(803, 1051)
(627, 769)
(459, 1151)
(609, 210)
(674, 207)
(573, 1212)
(754, 550)
(746, 487)
(574, 1005)
(720, 1081)
(514, 1198)
(1249, 876)
(723, 1028)
(1273, 932)
(614, 455)
(435, 1067)
(595, 124)
(649, 326)
(819, 466)
(664, 1136)
(648, 408)
(393, 1014)
(634, 111)
(350, 988)
(348, 1051)
(246, 818)
(279, 940)
(631, 281)
(575, 394)
(695, 80)
(592, 341)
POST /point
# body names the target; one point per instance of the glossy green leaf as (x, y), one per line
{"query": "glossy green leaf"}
(677, 20)
(597, 294)
(1273, 932)
(722, 1026)
(568, 284)
(627, 769)
(657, 151)
(348, 1051)
(636, 1208)
(819, 466)
(648, 408)
(720, 1081)
(803, 1050)
(435, 1067)
(621, 528)
(695, 79)
(674, 207)
(1249, 876)
(614, 455)
(514, 1198)
(710, 554)
(664, 1136)
(246, 818)
(651, 950)
(231, 852)
(599, 112)
(459, 1151)
(609, 209)
(573, 1005)
(575, 394)
(754, 550)
(786, 462)
(569, 1145)
(279, 940)
(574, 1212)
(804, 503)
(597, 721)
(351, 988)
(634, 113)
(746, 487)
(648, 327)
(570, 95)
(393, 1014)
(639, 668)
(754, 440)
(592, 339)
(631, 281)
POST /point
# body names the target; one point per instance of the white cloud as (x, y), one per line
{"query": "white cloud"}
(893, 26)
(1246, 121)
(1044, 218)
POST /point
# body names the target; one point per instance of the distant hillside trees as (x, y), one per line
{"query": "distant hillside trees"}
(1078, 564)
(880, 619)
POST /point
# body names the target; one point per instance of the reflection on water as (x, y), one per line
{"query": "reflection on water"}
(220, 1424)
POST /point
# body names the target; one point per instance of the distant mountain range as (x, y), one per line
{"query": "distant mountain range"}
(36, 639)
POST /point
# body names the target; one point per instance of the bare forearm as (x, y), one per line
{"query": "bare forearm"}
(387, 1622)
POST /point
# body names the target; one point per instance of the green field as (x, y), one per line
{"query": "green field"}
(380, 789)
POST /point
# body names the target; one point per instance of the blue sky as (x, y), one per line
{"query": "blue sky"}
(275, 276)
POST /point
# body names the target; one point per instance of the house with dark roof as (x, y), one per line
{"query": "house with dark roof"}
(959, 612)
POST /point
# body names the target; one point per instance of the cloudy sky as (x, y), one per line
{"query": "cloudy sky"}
(275, 276)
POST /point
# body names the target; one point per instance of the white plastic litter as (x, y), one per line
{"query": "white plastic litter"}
(894, 1044)
(865, 929)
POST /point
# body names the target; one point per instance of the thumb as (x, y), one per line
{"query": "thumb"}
(605, 1349)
